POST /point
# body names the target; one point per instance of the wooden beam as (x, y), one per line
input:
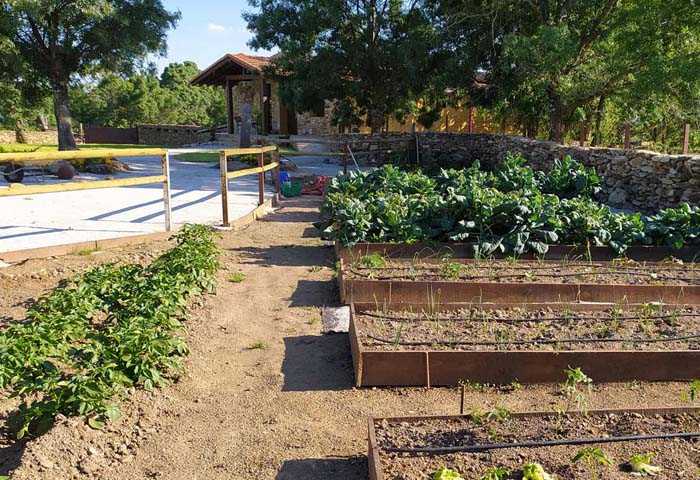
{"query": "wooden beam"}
(19, 189)
(223, 170)
(229, 106)
(50, 157)
(249, 150)
(686, 138)
(241, 78)
(167, 208)
(250, 171)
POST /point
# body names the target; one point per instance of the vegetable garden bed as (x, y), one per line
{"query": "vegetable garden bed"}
(375, 279)
(500, 344)
(555, 252)
(609, 444)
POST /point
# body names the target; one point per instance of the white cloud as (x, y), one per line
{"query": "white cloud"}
(216, 28)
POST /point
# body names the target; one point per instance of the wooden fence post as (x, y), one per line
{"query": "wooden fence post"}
(223, 170)
(627, 144)
(261, 179)
(276, 173)
(165, 166)
(686, 138)
(470, 119)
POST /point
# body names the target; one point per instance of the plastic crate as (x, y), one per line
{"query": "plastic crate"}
(292, 188)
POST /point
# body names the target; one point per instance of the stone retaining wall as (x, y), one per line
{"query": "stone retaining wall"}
(49, 137)
(637, 179)
(170, 135)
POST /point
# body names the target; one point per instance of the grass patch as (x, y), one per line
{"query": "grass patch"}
(29, 148)
(236, 277)
(259, 345)
(198, 157)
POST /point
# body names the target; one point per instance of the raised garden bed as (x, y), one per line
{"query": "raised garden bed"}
(499, 344)
(555, 252)
(375, 278)
(411, 448)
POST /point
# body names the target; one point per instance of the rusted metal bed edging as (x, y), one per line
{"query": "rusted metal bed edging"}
(260, 170)
(376, 469)
(437, 292)
(429, 367)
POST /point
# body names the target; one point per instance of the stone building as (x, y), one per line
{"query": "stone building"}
(244, 81)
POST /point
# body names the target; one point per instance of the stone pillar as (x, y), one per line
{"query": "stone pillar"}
(246, 124)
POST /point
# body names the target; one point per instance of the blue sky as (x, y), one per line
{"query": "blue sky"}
(207, 30)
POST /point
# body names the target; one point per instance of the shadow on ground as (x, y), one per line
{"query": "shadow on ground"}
(351, 468)
(286, 255)
(11, 449)
(315, 293)
(317, 362)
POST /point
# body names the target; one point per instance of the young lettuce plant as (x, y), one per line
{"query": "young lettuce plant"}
(535, 471)
(640, 465)
(495, 473)
(444, 473)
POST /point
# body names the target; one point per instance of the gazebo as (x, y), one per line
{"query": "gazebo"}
(233, 70)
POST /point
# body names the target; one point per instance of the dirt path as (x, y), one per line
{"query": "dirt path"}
(265, 395)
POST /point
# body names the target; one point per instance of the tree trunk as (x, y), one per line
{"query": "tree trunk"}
(376, 121)
(66, 139)
(599, 112)
(556, 116)
(20, 136)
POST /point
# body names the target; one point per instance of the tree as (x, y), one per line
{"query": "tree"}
(367, 57)
(119, 101)
(556, 59)
(60, 40)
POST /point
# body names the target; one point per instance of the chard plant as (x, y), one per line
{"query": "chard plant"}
(576, 388)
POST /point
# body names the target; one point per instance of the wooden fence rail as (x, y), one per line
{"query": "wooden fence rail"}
(259, 170)
(46, 158)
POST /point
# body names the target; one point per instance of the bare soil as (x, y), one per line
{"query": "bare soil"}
(524, 271)
(642, 328)
(678, 458)
(265, 395)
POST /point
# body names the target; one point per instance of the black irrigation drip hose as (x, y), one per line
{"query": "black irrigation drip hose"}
(542, 443)
(518, 275)
(525, 320)
(535, 342)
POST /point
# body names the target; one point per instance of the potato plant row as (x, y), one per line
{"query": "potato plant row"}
(112, 328)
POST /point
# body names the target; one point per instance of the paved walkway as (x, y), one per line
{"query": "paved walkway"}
(32, 221)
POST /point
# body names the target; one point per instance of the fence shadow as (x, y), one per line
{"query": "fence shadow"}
(315, 293)
(317, 362)
(286, 255)
(350, 468)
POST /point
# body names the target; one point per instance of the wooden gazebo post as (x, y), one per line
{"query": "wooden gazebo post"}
(229, 106)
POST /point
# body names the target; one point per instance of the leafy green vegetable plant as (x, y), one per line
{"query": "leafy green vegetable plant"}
(444, 473)
(535, 471)
(641, 464)
(496, 473)
(112, 328)
(510, 210)
(593, 458)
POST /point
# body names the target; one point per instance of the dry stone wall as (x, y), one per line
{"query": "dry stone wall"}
(170, 135)
(635, 179)
(49, 137)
